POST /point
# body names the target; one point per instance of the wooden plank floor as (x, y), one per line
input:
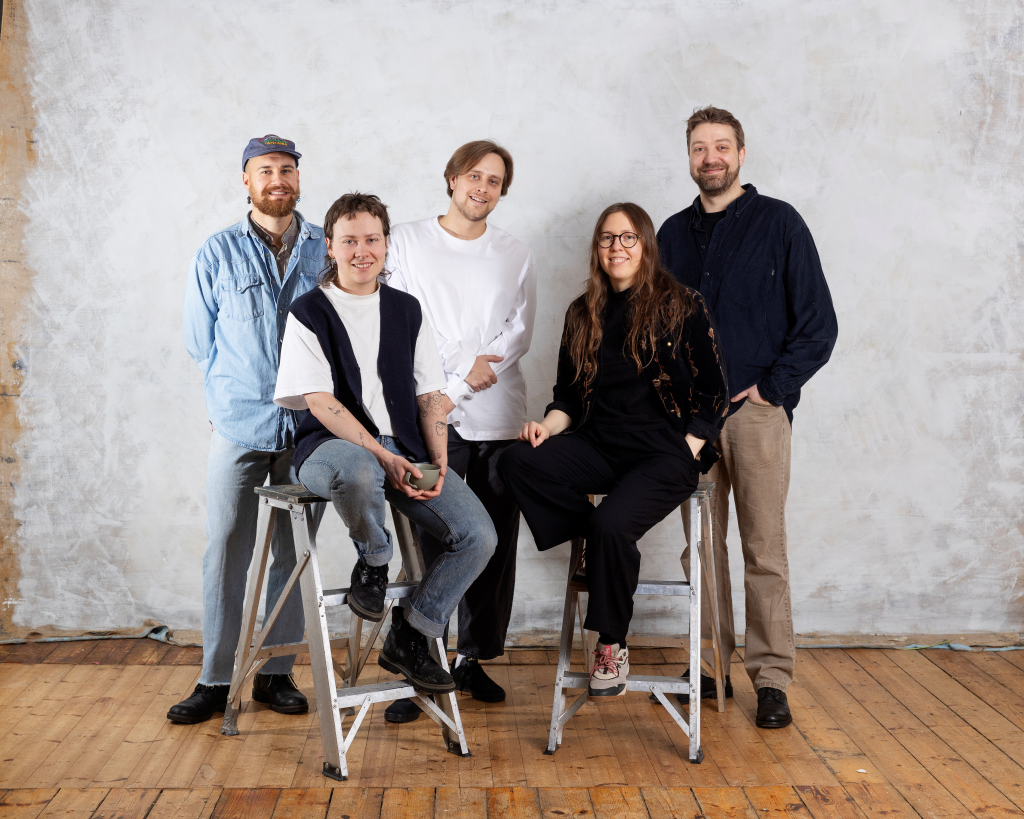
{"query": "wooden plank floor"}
(876, 733)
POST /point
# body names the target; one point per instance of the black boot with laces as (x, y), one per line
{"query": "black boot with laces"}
(407, 652)
(205, 701)
(367, 590)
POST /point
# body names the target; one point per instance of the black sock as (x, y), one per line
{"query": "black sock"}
(606, 639)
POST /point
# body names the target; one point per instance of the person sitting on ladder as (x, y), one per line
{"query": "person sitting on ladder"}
(361, 357)
(641, 386)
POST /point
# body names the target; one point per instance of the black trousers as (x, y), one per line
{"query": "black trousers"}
(486, 608)
(645, 475)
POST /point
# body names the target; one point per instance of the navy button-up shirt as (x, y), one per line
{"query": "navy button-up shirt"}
(761, 276)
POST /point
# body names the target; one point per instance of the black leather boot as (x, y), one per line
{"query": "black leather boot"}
(279, 692)
(367, 589)
(407, 652)
(772, 708)
(205, 701)
(470, 676)
(402, 711)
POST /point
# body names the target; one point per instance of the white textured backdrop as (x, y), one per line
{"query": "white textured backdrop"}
(894, 128)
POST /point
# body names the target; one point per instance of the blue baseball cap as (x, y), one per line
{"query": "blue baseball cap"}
(270, 144)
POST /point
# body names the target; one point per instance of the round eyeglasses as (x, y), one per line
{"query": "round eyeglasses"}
(625, 239)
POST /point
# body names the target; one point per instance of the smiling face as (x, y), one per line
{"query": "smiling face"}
(273, 183)
(619, 263)
(477, 191)
(359, 247)
(715, 161)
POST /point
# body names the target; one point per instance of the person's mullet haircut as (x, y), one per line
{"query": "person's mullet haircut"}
(345, 207)
(718, 116)
(469, 154)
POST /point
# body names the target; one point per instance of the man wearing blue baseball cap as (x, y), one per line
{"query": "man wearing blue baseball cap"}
(242, 281)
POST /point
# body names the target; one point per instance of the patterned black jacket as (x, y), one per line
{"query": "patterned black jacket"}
(689, 378)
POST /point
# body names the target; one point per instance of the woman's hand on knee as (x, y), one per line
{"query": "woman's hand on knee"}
(535, 433)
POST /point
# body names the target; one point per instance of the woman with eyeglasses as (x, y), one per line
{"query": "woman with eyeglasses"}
(639, 398)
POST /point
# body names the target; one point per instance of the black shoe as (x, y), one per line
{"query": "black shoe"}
(407, 652)
(368, 587)
(402, 711)
(279, 692)
(708, 689)
(772, 708)
(470, 675)
(205, 701)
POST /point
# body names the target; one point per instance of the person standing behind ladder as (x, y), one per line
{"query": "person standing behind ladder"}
(236, 305)
(477, 286)
(754, 261)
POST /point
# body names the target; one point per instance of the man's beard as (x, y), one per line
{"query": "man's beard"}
(712, 185)
(473, 217)
(275, 207)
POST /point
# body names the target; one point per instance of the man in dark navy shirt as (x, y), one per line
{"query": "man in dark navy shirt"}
(755, 263)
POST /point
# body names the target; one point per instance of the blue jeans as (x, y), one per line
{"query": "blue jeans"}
(232, 506)
(351, 478)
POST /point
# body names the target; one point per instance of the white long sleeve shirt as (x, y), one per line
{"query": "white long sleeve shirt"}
(479, 296)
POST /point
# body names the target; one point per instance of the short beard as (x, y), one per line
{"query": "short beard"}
(469, 217)
(276, 208)
(715, 185)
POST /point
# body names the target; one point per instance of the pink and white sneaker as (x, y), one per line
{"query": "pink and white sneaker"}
(611, 667)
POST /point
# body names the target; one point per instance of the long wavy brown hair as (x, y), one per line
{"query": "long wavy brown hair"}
(658, 304)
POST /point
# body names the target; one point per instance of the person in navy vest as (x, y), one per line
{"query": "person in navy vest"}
(361, 357)
(242, 280)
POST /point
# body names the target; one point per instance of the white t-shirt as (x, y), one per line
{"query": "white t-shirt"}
(304, 367)
(480, 297)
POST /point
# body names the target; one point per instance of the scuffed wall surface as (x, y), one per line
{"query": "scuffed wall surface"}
(894, 129)
(17, 154)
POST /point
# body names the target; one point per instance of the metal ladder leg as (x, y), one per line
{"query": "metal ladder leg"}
(412, 561)
(320, 657)
(559, 714)
(707, 558)
(254, 588)
(696, 753)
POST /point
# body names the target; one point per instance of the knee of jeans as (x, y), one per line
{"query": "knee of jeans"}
(362, 475)
(484, 539)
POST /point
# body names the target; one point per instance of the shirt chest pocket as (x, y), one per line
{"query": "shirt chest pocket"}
(748, 278)
(241, 296)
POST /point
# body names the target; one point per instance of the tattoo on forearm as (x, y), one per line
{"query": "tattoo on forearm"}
(430, 403)
(441, 429)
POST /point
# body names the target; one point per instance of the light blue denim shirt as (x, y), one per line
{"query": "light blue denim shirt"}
(236, 307)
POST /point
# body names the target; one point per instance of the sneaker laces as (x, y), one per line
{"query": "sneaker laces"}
(605, 661)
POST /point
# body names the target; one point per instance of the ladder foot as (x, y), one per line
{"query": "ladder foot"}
(333, 772)
(700, 756)
(455, 748)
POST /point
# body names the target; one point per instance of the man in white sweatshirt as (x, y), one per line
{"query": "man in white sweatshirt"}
(477, 287)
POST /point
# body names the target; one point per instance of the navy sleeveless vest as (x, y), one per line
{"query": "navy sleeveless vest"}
(400, 319)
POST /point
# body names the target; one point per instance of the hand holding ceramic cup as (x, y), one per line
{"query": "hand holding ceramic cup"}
(431, 473)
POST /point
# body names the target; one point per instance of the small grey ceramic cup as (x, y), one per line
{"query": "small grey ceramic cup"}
(431, 473)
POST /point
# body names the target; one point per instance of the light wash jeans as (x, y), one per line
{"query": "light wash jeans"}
(355, 483)
(232, 506)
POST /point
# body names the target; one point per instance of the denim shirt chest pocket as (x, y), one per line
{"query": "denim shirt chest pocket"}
(748, 278)
(241, 295)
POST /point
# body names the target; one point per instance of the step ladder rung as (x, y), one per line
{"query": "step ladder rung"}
(396, 591)
(634, 682)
